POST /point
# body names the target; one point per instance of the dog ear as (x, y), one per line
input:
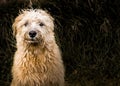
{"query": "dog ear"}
(52, 22)
(14, 29)
(15, 24)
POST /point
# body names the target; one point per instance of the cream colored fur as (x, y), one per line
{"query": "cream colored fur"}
(38, 62)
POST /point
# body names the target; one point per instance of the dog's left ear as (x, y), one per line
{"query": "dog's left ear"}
(52, 22)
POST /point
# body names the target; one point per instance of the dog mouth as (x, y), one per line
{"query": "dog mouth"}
(32, 41)
(32, 38)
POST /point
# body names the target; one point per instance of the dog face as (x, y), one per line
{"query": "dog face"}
(33, 27)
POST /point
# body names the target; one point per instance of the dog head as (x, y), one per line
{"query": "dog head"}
(33, 27)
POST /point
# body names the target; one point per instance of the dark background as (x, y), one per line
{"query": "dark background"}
(87, 31)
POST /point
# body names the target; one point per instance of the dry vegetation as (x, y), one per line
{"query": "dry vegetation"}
(88, 32)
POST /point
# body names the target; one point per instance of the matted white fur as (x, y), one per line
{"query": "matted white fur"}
(37, 61)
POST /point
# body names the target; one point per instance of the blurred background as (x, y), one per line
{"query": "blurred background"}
(87, 31)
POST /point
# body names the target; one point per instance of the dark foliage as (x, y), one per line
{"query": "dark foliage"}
(88, 33)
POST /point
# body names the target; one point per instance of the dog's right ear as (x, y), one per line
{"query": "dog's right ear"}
(14, 29)
(15, 24)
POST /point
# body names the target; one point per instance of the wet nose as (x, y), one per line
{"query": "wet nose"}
(32, 34)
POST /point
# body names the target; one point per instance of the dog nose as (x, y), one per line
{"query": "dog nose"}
(32, 34)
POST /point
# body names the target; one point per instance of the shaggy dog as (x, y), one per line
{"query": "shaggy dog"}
(37, 61)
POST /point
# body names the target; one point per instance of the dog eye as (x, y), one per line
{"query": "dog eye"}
(41, 24)
(26, 24)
